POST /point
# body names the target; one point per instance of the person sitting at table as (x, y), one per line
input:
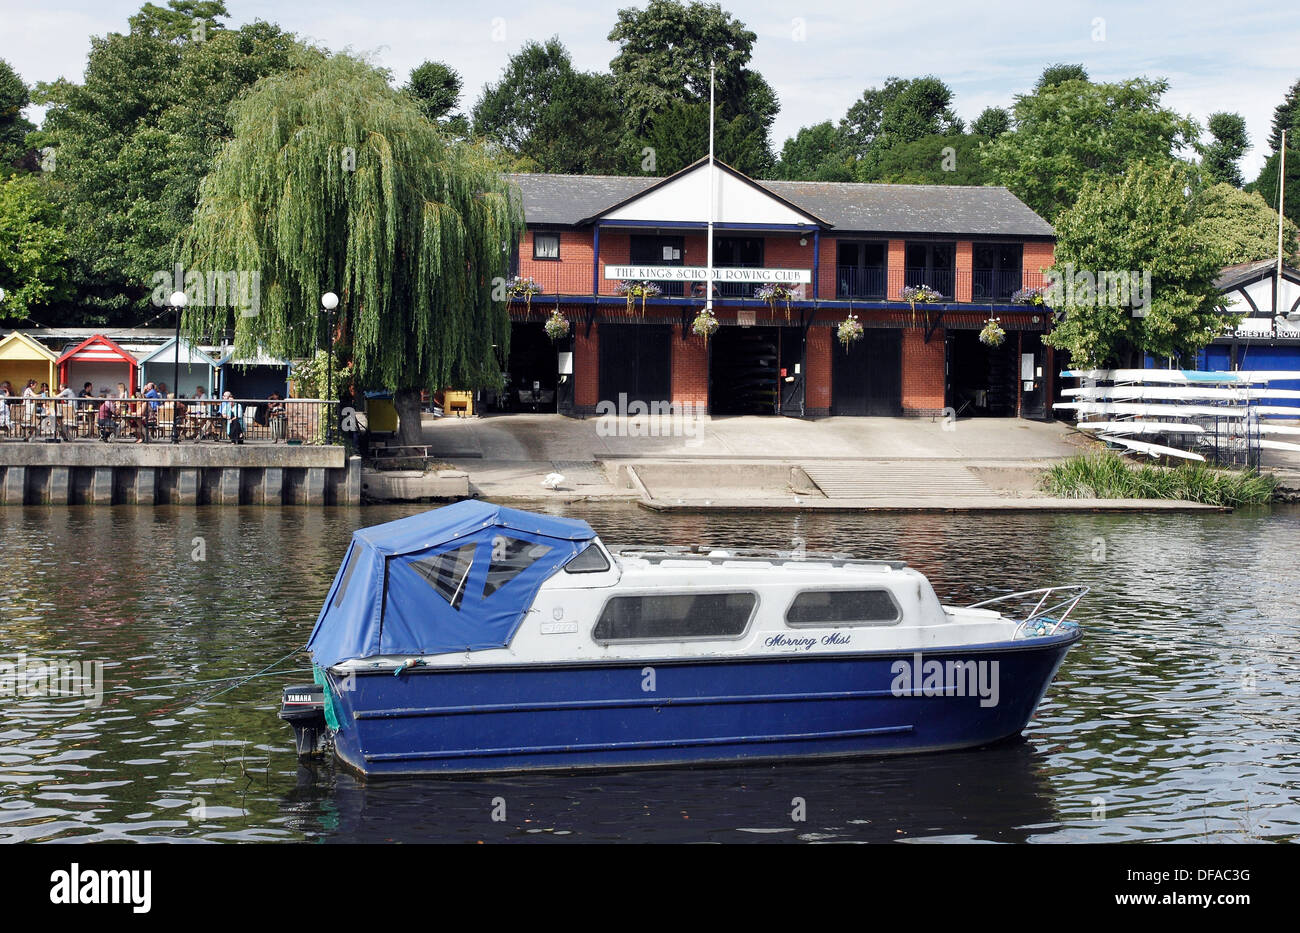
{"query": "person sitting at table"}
(233, 412)
(104, 418)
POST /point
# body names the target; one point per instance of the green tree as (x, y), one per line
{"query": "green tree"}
(435, 87)
(1071, 133)
(414, 237)
(14, 127)
(1266, 183)
(1286, 116)
(549, 117)
(930, 160)
(132, 141)
(1058, 74)
(1240, 226)
(663, 59)
(815, 153)
(33, 248)
(991, 123)
(1228, 145)
(679, 135)
(902, 111)
(1142, 222)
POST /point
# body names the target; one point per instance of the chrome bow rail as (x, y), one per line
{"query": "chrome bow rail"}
(1051, 606)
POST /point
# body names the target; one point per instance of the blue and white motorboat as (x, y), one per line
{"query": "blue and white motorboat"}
(477, 638)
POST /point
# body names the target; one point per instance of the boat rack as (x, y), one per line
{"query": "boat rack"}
(658, 553)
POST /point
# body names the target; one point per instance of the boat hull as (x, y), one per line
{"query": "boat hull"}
(431, 720)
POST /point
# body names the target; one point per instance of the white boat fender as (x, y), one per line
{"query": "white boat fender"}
(407, 664)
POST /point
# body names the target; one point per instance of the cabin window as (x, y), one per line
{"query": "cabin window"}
(591, 560)
(688, 615)
(447, 572)
(843, 607)
(350, 566)
(510, 558)
(546, 246)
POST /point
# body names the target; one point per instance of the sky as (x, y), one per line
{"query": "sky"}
(819, 55)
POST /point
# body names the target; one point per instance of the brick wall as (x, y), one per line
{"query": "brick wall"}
(923, 376)
(897, 256)
(826, 272)
(615, 250)
(1037, 257)
(821, 344)
(690, 369)
(965, 261)
(586, 363)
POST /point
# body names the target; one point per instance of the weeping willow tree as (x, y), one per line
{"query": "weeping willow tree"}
(332, 181)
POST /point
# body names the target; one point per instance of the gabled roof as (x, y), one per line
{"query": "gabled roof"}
(98, 348)
(1244, 273)
(941, 210)
(769, 207)
(259, 358)
(19, 346)
(190, 355)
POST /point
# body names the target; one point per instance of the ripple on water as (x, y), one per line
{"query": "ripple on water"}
(1170, 721)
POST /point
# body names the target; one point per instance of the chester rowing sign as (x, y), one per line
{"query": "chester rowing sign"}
(701, 274)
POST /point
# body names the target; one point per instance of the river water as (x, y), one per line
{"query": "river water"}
(1174, 719)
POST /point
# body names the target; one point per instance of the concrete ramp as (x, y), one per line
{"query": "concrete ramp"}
(897, 479)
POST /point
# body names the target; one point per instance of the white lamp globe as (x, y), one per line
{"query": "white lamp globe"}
(329, 301)
(178, 299)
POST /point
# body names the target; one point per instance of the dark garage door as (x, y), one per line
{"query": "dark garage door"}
(635, 359)
(868, 379)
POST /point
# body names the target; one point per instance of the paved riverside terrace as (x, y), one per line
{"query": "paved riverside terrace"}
(759, 462)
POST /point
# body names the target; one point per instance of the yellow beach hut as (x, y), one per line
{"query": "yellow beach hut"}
(22, 358)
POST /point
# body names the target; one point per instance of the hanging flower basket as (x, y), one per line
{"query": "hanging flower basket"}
(705, 324)
(849, 331)
(1029, 296)
(557, 325)
(919, 294)
(642, 290)
(992, 335)
(772, 293)
(523, 287)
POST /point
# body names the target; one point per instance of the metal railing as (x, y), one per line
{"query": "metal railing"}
(1049, 609)
(861, 282)
(154, 420)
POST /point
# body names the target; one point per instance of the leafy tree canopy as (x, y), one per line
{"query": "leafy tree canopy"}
(549, 117)
(435, 87)
(679, 135)
(131, 143)
(1286, 116)
(991, 123)
(1058, 74)
(1141, 222)
(33, 248)
(1266, 183)
(1228, 144)
(413, 231)
(14, 127)
(1067, 135)
(902, 111)
(815, 153)
(930, 160)
(663, 58)
(1241, 226)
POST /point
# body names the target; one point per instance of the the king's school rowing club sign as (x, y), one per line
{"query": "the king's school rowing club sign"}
(701, 274)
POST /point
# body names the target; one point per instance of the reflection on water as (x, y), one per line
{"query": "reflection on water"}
(1172, 720)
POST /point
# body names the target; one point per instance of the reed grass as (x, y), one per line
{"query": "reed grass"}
(1106, 475)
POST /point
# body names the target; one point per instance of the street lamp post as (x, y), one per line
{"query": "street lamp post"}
(177, 301)
(329, 301)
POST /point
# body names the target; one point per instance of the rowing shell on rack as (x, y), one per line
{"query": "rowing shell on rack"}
(1152, 450)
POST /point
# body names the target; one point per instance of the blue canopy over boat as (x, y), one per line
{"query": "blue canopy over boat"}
(458, 578)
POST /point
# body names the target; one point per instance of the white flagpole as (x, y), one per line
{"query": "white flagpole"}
(1281, 210)
(708, 285)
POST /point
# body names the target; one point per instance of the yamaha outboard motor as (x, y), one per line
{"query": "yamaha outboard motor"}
(303, 707)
